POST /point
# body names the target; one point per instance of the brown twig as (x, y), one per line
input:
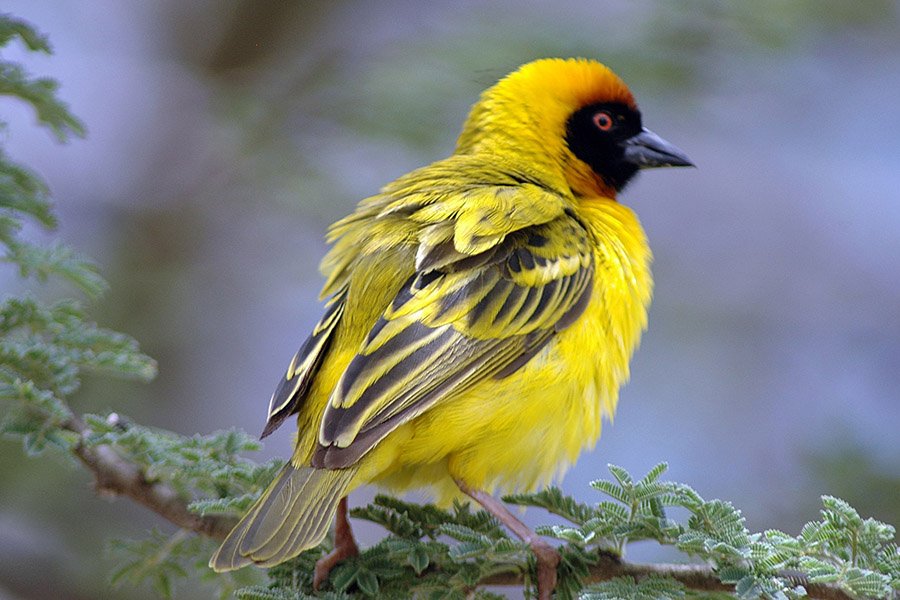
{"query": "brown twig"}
(117, 476)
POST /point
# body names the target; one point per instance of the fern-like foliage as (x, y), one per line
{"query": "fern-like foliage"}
(162, 560)
(436, 553)
(40, 92)
(626, 588)
(207, 466)
(45, 346)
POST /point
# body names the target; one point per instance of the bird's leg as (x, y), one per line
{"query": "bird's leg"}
(344, 546)
(547, 557)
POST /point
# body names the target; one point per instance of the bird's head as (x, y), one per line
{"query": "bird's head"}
(572, 120)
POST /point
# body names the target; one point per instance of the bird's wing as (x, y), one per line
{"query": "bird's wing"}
(481, 303)
(293, 386)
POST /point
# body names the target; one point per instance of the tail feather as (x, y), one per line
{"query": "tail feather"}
(291, 516)
(285, 546)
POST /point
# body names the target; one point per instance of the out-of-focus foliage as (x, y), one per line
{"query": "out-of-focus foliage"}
(44, 347)
(40, 93)
(164, 562)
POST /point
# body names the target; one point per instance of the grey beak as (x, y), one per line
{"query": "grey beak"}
(647, 150)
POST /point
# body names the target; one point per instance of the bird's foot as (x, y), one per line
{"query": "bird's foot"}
(344, 546)
(329, 561)
(547, 561)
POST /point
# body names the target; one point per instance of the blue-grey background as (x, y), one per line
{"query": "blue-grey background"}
(224, 136)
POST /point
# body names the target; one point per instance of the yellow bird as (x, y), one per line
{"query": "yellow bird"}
(481, 314)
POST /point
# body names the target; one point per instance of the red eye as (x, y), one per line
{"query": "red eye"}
(603, 121)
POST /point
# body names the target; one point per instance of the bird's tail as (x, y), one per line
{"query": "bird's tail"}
(291, 516)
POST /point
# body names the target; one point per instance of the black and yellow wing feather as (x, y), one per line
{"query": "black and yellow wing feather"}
(499, 269)
(460, 319)
(293, 387)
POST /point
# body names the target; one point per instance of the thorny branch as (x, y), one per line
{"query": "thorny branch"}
(118, 477)
(694, 577)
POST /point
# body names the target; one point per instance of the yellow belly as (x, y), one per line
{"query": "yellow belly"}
(522, 431)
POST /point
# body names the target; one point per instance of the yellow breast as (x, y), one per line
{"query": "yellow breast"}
(522, 431)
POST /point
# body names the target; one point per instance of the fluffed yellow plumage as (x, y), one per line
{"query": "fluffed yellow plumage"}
(481, 314)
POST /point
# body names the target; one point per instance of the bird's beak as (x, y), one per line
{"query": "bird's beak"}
(646, 150)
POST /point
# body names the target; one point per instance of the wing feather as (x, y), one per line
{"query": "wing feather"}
(292, 388)
(468, 318)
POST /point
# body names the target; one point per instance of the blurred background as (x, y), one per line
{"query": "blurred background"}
(225, 135)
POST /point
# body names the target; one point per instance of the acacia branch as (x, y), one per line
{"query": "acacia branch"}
(117, 476)
(694, 577)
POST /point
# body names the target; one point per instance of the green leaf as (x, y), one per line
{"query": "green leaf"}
(259, 592)
(344, 575)
(863, 582)
(159, 560)
(418, 559)
(746, 587)
(463, 533)
(722, 521)
(626, 588)
(57, 260)
(840, 512)
(621, 475)
(40, 93)
(654, 474)
(367, 582)
(553, 500)
(611, 489)
(22, 194)
(11, 28)
(612, 512)
(397, 523)
(732, 574)
(236, 505)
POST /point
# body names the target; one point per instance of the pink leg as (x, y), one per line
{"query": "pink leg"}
(547, 557)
